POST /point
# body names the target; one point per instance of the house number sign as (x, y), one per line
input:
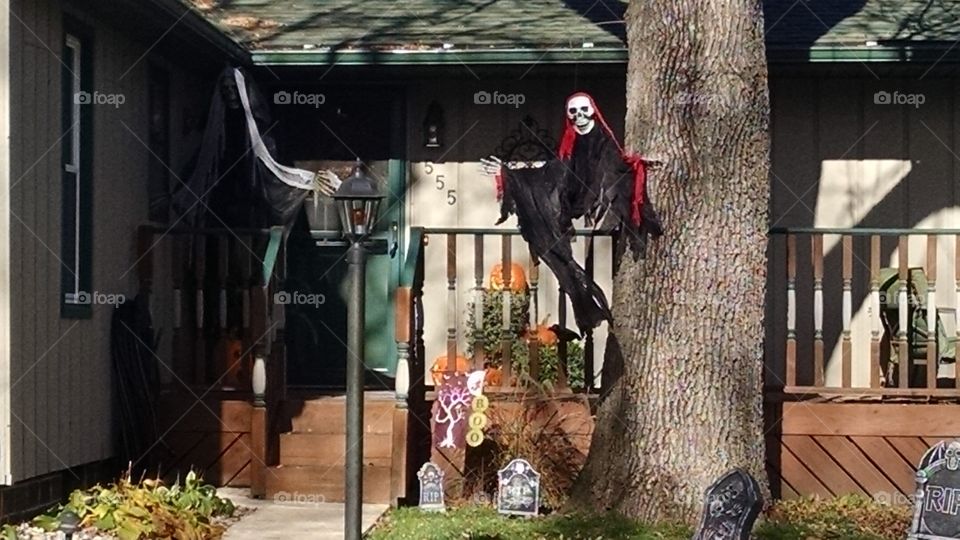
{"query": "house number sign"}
(440, 182)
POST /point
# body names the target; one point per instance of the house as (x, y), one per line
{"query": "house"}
(863, 179)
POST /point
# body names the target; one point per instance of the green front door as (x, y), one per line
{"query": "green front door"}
(383, 275)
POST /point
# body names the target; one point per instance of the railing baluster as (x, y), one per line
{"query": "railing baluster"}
(791, 359)
(223, 272)
(956, 306)
(533, 344)
(875, 311)
(478, 303)
(200, 346)
(933, 355)
(563, 381)
(847, 346)
(451, 302)
(817, 242)
(181, 360)
(588, 375)
(903, 358)
(505, 343)
(402, 337)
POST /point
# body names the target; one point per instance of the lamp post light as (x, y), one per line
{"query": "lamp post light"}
(358, 201)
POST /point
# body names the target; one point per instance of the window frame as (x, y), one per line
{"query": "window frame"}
(76, 248)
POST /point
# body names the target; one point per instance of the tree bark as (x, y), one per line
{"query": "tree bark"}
(684, 396)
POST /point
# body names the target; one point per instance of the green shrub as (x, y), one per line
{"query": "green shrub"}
(149, 509)
(491, 330)
(849, 517)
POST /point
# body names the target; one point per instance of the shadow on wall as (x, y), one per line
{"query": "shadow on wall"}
(843, 159)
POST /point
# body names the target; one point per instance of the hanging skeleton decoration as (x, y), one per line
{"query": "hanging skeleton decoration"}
(591, 177)
(236, 163)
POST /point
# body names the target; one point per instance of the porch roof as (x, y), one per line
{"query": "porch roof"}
(557, 31)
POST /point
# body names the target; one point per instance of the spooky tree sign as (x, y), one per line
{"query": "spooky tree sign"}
(454, 405)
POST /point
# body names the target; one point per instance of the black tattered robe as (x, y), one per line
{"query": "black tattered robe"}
(595, 183)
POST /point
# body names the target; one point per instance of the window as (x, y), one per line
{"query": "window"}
(76, 223)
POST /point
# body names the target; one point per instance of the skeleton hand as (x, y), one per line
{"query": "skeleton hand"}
(326, 182)
(490, 166)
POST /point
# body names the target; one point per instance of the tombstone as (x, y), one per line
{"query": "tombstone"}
(730, 507)
(937, 502)
(431, 488)
(518, 493)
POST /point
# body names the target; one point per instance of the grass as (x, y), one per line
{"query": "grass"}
(483, 523)
(841, 518)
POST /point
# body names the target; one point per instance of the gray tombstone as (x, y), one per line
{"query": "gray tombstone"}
(431, 488)
(937, 503)
(518, 493)
(730, 507)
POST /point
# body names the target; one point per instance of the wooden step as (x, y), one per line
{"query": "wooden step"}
(310, 448)
(310, 484)
(328, 415)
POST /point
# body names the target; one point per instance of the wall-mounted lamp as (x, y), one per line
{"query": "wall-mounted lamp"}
(433, 126)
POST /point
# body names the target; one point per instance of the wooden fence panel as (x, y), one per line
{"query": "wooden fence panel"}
(869, 449)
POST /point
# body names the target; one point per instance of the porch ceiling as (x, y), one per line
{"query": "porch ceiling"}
(439, 31)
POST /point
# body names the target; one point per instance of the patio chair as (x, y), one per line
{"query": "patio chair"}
(917, 331)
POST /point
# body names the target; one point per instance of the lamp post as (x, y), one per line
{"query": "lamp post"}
(358, 201)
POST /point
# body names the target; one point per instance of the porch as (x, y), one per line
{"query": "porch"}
(844, 413)
(858, 387)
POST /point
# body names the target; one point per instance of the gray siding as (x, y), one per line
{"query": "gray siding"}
(62, 412)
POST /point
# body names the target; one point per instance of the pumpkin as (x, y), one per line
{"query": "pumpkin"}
(518, 280)
(493, 376)
(440, 366)
(545, 335)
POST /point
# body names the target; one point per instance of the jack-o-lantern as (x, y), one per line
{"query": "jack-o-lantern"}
(440, 366)
(518, 280)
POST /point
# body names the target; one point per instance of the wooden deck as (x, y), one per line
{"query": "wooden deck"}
(870, 449)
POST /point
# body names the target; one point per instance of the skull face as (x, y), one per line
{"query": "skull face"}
(580, 111)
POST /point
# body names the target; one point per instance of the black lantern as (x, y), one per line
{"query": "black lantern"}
(433, 126)
(358, 201)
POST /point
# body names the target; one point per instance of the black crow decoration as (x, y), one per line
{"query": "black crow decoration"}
(590, 177)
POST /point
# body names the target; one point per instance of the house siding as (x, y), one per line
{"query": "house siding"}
(62, 412)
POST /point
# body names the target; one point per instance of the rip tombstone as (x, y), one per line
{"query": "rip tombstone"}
(519, 489)
(431, 488)
(937, 502)
(730, 507)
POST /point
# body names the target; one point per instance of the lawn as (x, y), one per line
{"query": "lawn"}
(846, 518)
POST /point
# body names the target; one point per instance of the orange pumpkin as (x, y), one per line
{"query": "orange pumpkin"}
(518, 280)
(493, 376)
(546, 336)
(440, 366)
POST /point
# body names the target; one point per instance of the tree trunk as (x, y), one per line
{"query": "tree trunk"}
(685, 397)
